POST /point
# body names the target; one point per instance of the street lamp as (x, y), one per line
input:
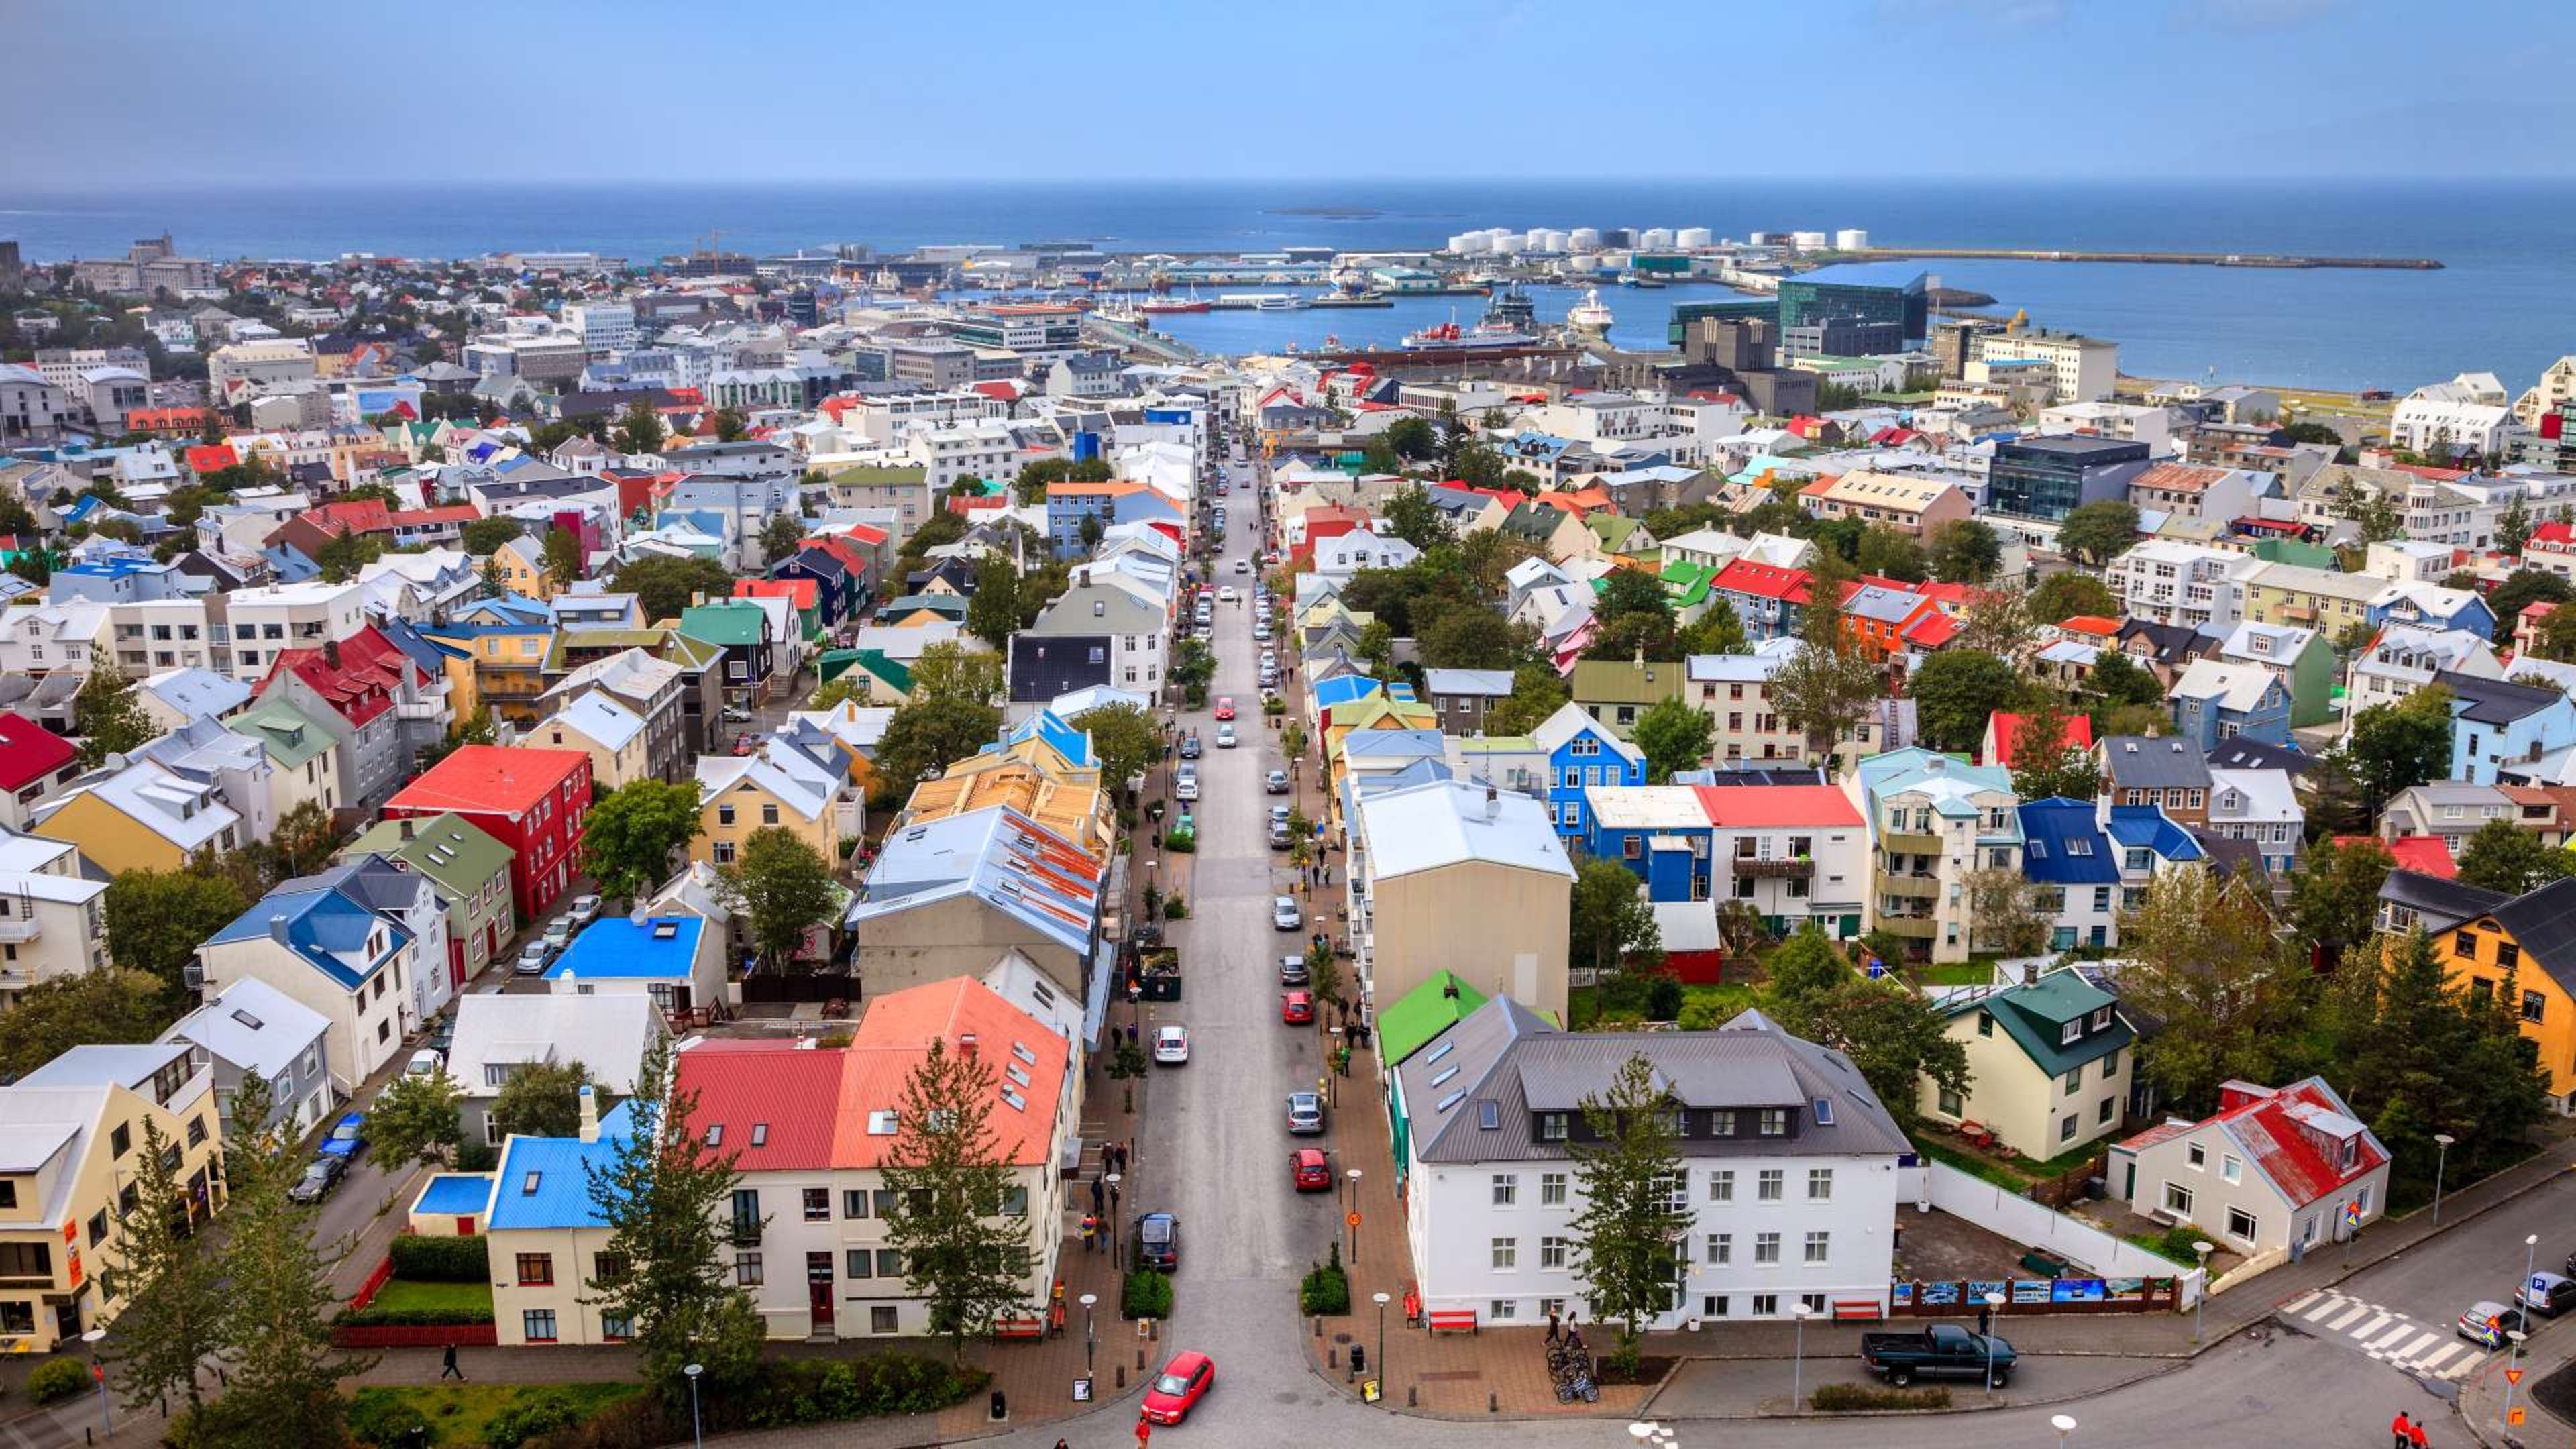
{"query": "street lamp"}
(2200, 1303)
(1350, 1229)
(1995, 1305)
(2441, 1165)
(1090, 1340)
(1798, 1363)
(2530, 1246)
(1380, 1300)
(2064, 1424)
(106, 1405)
(1116, 1247)
(697, 1426)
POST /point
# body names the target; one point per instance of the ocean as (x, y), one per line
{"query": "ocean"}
(2500, 304)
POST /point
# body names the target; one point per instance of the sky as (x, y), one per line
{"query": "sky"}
(124, 94)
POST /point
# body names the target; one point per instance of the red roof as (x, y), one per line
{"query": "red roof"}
(864, 534)
(363, 515)
(2294, 1136)
(772, 1104)
(490, 780)
(801, 594)
(1754, 807)
(210, 457)
(1026, 1059)
(1769, 581)
(2101, 624)
(2268, 525)
(2560, 534)
(29, 751)
(425, 517)
(2430, 473)
(2422, 854)
(1932, 630)
(2077, 735)
(360, 682)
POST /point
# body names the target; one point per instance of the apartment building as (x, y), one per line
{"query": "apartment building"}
(1933, 821)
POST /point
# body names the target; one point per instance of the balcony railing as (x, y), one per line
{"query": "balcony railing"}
(1918, 928)
(1911, 887)
(1908, 842)
(16, 929)
(1801, 869)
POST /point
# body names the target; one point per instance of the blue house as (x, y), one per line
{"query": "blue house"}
(1660, 832)
(674, 959)
(1069, 503)
(2502, 730)
(1582, 753)
(2434, 607)
(2066, 853)
(2215, 701)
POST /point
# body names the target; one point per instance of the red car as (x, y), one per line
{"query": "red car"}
(1225, 706)
(1297, 1008)
(1181, 1384)
(1312, 1173)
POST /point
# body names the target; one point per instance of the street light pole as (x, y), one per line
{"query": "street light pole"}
(2441, 1169)
(697, 1426)
(1798, 1362)
(1380, 1300)
(1994, 1302)
(106, 1405)
(2200, 1301)
(2513, 1360)
(1090, 1340)
(2064, 1424)
(1349, 1230)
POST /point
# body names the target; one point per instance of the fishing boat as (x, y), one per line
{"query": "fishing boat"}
(1589, 315)
(1191, 303)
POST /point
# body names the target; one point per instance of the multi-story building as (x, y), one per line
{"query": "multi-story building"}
(2405, 657)
(1933, 821)
(2049, 1063)
(251, 1031)
(1115, 604)
(265, 622)
(2049, 477)
(532, 801)
(2196, 490)
(1910, 503)
(2082, 369)
(2168, 773)
(52, 922)
(1448, 876)
(647, 687)
(2166, 581)
(330, 943)
(472, 871)
(603, 327)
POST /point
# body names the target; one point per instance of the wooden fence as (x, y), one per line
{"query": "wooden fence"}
(2025, 1296)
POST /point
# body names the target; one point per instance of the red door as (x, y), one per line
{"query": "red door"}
(818, 1289)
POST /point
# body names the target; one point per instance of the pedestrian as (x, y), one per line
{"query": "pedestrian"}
(1113, 1198)
(1573, 1334)
(2398, 1435)
(1090, 1233)
(447, 1366)
(1097, 1187)
(2415, 1433)
(1985, 1320)
(1553, 1330)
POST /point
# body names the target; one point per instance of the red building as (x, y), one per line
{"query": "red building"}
(532, 801)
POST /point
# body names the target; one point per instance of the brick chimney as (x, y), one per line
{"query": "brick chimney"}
(966, 1045)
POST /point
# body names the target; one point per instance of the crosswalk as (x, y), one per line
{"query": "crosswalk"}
(2384, 1334)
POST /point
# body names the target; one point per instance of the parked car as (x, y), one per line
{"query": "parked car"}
(1310, 1170)
(2548, 1294)
(427, 1062)
(320, 1176)
(1190, 746)
(1279, 839)
(1292, 971)
(1268, 678)
(1185, 782)
(1275, 783)
(1297, 1008)
(348, 1137)
(736, 714)
(532, 959)
(583, 910)
(559, 933)
(1171, 1045)
(1305, 1113)
(1225, 736)
(1158, 1241)
(1182, 1383)
(1225, 706)
(1284, 913)
(1944, 1350)
(1243, 565)
(2488, 1323)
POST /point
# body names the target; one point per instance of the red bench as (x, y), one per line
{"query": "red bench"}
(1031, 1327)
(1858, 1310)
(1449, 1320)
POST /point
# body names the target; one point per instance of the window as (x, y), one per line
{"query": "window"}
(818, 1204)
(746, 1215)
(1552, 1251)
(121, 1140)
(1507, 1189)
(747, 1272)
(2464, 944)
(889, 1263)
(1503, 1310)
(854, 1202)
(1551, 1189)
(2242, 1225)
(1721, 1123)
(2066, 1127)
(2111, 1064)
(1951, 1104)
(1769, 1184)
(1713, 1305)
(1985, 1023)
(881, 1319)
(1773, 1122)
(2533, 1004)
(1506, 1253)
(2074, 1081)
(2067, 1034)
(1819, 1247)
(537, 1325)
(855, 1262)
(1676, 1188)
(2231, 1169)
(1766, 1247)
(2102, 1019)
(2178, 1200)
(536, 1270)
(1766, 1305)
(196, 1135)
(724, 815)
(607, 1268)
(2102, 1109)
(616, 1327)
(1551, 1126)
(1820, 1184)
(1721, 1248)
(768, 814)
(2195, 1157)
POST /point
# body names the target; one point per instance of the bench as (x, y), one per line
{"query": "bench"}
(1449, 1320)
(1858, 1310)
(1030, 1327)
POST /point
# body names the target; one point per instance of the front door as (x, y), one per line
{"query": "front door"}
(2129, 1188)
(818, 1289)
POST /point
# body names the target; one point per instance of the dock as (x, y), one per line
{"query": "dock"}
(2275, 260)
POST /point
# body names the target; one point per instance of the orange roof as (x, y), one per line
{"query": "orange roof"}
(801, 594)
(1027, 1060)
(2090, 624)
(1112, 489)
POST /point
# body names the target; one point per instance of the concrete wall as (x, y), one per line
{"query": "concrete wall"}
(2033, 1225)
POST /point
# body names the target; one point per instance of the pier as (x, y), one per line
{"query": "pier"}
(2274, 260)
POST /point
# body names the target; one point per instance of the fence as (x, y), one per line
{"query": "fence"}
(2026, 1296)
(2035, 1225)
(374, 1285)
(415, 1335)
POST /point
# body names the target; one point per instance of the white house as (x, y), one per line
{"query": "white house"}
(324, 943)
(2273, 1168)
(52, 922)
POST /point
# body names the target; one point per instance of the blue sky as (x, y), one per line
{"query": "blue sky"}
(119, 93)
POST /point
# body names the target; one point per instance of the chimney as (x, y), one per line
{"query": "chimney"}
(589, 1113)
(277, 928)
(331, 652)
(1493, 803)
(405, 825)
(2030, 973)
(966, 1045)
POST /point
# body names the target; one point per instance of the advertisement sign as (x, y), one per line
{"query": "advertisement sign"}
(2078, 1290)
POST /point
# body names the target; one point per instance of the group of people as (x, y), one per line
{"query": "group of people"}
(2406, 1433)
(1104, 1194)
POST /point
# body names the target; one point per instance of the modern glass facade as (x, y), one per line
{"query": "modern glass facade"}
(1805, 301)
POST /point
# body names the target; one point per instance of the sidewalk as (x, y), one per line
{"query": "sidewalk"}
(2481, 1404)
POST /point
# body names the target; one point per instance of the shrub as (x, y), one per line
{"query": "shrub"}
(533, 1414)
(440, 1260)
(1176, 909)
(477, 1157)
(1664, 998)
(377, 1416)
(1181, 842)
(1848, 1398)
(415, 1317)
(1145, 1294)
(63, 1378)
(1325, 1288)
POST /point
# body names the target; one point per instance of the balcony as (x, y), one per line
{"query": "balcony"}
(1775, 869)
(17, 930)
(1912, 928)
(1911, 887)
(1907, 842)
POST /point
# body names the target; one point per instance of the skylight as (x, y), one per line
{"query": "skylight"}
(1824, 1113)
(759, 1134)
(715, 1134)
(1024, 1054)
(528, 1184)
(1452, 1100)
(1489, 1115)
(1017, 1102)
(1016, 1075)
(246, 1019)
(1440, 1051)
(1443, 1075)
(881, 1122)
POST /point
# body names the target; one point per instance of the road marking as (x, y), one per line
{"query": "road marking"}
(2299, 1303)
(2350, 1316)
(2321, 1310)
(2373, 1326)
(2419, 1345)
(2437, 1357)
(2397, 1335)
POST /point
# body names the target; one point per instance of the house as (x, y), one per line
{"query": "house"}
(1769, 600)
(605, 729)
(73, 1128)
(52, 920)
(1616, 691)
(1933, 820)
(749, 639)
(1583, 752)
(2484, 939)
(538, 1213)
(531, 801)
(1784, 1151)
(1794, 854)
(2405, 657)
(2303, 659)
(2446, 810)
(303, 756)
(2048, 1063)
(2214, 701)
(2003, 737)
(2260, 807)
(1103, 601)
(472, 872)
(326, 942)
(2501, 727)
(1913, 504)
(776, 785)
(945, 898)
(2274, 1170)
(380, 707)
(674, 960)
(175, 696)
(652, 690)
(2146, 770)
(1448, 876)
(1463, 697)
(143, 816)
(607, 1033)
(2069, 857)
(34, 762)
(250, 1031)
(1734, 691)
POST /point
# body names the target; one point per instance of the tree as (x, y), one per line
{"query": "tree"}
(2062, 596)
(2514, 527)
(1608, 919)
(109, 1007)
(664, 585)
(1885, 552)
(730, 427)
(1411, 516)
(1124, 737)
(1537, 692)
(2502, 856)
(2429, 1057)
(1090, 530)
(2098, 532)
(175, 1304)
(1634, 635)
(926, 736)
(964, 1240)
(2334, 896)
(1718, 631)
(993, 610)
(2291, 434)
(2372, 508)
(783, 886)
(1674, 737)
(1030, 487)
(2520, 590)
(780, 535)
(2005, 906)
(1473, 637)
(1193, 668)
(666, 1198)
(2207, 961)
(346, 552)
(1377, 649)
(1955, 693)
(2118, 681)
(414, 1119)
(1964, 551)
(1808, 967)
(107, 716)
(629, 839)
(950, 670)
(1996, 622)
(937, 531)
(562, 557)
(639, 429)
(156, 919)
(2394, 747)
(1895, 1037)
(1414, 439)
(1631, 1220)
(541, 1099)
(2046, 762)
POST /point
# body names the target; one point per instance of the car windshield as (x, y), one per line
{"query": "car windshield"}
(1155, 1230)
(315, 1172)
(1172, 1384)
(345, 1131)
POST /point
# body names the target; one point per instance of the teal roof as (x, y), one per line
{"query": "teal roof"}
(289, 735)
(2035, 1016)
(726, 622)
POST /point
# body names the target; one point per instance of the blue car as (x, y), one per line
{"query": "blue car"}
(348, 1138)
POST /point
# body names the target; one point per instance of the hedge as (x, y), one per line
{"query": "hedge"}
(1849, 1398)
(61, 1379)
(415, 1317)
(1145, 1294)
(440, 1259)
(786, 1393)
(1326, 1288)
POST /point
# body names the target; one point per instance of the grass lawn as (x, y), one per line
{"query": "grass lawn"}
(1984, 1169)
(457, 1414)
(407, 1293)
(1725, 1001)
(1953, 973)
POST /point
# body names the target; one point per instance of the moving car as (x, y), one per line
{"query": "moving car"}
(1305, 1113)
(1182, 1383)
(348, 1137)
(1292, 970)
(1225, 736)
(1171, 1045)
(2488, 1323)
(1158, 1241)
(1284, 913)
(1225, 706)
(1226, 595)
(2548, 1294)
(1297, 1008)
(320, 1176)
(532, 959)
(1275, 783)
(1308, 1168)
(1243, 565)
(1944, 1350)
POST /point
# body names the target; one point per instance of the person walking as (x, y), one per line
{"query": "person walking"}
(2415, 1433)
(1986, 1321)
(1090, 1233)
(2398, 1435)
(1553, 1331)
(1098, 1188)
(447, 1366)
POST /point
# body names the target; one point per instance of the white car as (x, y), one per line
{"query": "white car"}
(1171, 1045)
(427, 1062)
(1225, 735)
(1284, 913)
(1243, 565)
(1226, 595)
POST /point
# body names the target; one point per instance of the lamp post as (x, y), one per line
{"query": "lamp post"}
(2504, 1414)
(1380, 1300)
(2200, 1302)
(2064, 1424)
(2441, 1169)
(1090, 1340)
(697, 1426)
(106, 1405)
(1798, 1362)
(1351, 1230)
(1116, 1247)
(1994, 1303)
(2530, 1246)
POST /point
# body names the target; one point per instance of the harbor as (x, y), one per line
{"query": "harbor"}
(2173, 259)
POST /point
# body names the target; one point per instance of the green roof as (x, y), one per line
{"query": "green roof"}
(446, 848)
(881, 665)
(290, 736)
(1419, 1016)
(869, 473)
(2035, 1017)
(1620, 681)
(1496, 744)
(690, 653)
(1687, 582)
(726, 622)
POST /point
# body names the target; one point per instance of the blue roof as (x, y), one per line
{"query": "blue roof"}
(325, 926)
(1073, 744)
(2148, 826)
(455, 1194)
(616, 948)
(110, 568)
(1421, 744)
(2062, 845)
(1342, 689)
(544, 1182)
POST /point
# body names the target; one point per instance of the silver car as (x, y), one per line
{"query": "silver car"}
(1284, 913)
(1305, 1114)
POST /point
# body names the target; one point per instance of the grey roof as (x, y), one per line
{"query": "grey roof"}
(2496, 701)
(1493, 683)
(2442, 903)
(2150, 762)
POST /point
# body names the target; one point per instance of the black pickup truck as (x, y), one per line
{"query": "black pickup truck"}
(1944, 1350)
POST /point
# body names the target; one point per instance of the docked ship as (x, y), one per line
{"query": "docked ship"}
(1168, 303)
(1506, 323)
(1589, 315)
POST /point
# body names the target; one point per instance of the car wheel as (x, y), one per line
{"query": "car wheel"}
(1900, 1377)
(1999, 1379)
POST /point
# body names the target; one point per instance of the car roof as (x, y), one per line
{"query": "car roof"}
(1304, 1096)
(1303, 1153)
(1181, 1363)
(2484, 1308)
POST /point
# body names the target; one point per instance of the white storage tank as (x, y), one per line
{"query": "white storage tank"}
(1851, 239)
(1655, 239)
(1583, 239)
(1469, 243)
(1807, 241)
(1510, 241)
(1547, 239)
(1694, 239)
(1762, 239)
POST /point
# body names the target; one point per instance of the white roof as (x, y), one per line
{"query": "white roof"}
(2268, 795)
(254, 1026)
(800, 784)
(1446, 822)
(198, 692)
(2234, 686)
(599, 716)
(605, 1033)
(1647, 807)
(1569, 721)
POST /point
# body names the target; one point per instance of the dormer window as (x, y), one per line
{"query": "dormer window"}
(2067, 1034)
(2102, 1019)
(2351, 1153)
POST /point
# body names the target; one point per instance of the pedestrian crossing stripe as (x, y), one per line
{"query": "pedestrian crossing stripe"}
(2384, 1335)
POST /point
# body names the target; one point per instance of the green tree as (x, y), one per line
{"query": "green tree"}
(1885, 552)
(1473, 637)
(730, 426)
(783, 886)
(2514, 527)
(2520, 590)
(2294, 433)
(1808, 967)
(1633, 635)
(956, 1217)
(664, 585)
(1377, 649)
(2206, 959)
(1895, 1037)
(780, 536)
(156, 919)
(1537, 692)
(1608, 920)
(1414, 439)
(1030, 487)
(1964, 551)
(108, 1007)
(630, 839)
(1631, 1222)
(2502, 856)
(2372, 508)
(2430, 1057)
(639, 430)
(2334, 896)
(1090, 530)
(1955, 693)
(1410, 513)
(1673, 737)
(1825, 689)
(925, 737)
(2046, 762)
(346, 552)
(2098, 532)
(2117, 681)
(936, 531)
(1125, 737)
(562, 557)
(1324, 972)
(172, 1282)
(950, 670)
(541, 1099)
(484, 536)
(2004, 904)
(1193, 666)
(414, 1119)
(2063, 596)
(1996, 622)
(107, 716)
(993, 610)
(1718, 631)
(2396, 746)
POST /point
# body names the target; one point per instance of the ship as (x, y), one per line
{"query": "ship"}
(1450, 337)
(1169, 303)
(1589, 315)
(1511, 308)
(1279, 302)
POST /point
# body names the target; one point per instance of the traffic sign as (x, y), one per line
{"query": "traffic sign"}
(2352, 1214)
(2513, 1417)
(1354, 1219)
(2513, 1376)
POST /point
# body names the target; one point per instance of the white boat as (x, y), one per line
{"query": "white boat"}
(1280, 302)
(1589, 315)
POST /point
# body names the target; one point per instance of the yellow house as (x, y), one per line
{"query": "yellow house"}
(2489, 942)
(521, 565)
(2323, 599)
(143, 817)
(776, 786)
(2049, 1064)
(74, 1130)
(609, 732)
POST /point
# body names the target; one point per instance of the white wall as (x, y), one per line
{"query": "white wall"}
(2035, 1225)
